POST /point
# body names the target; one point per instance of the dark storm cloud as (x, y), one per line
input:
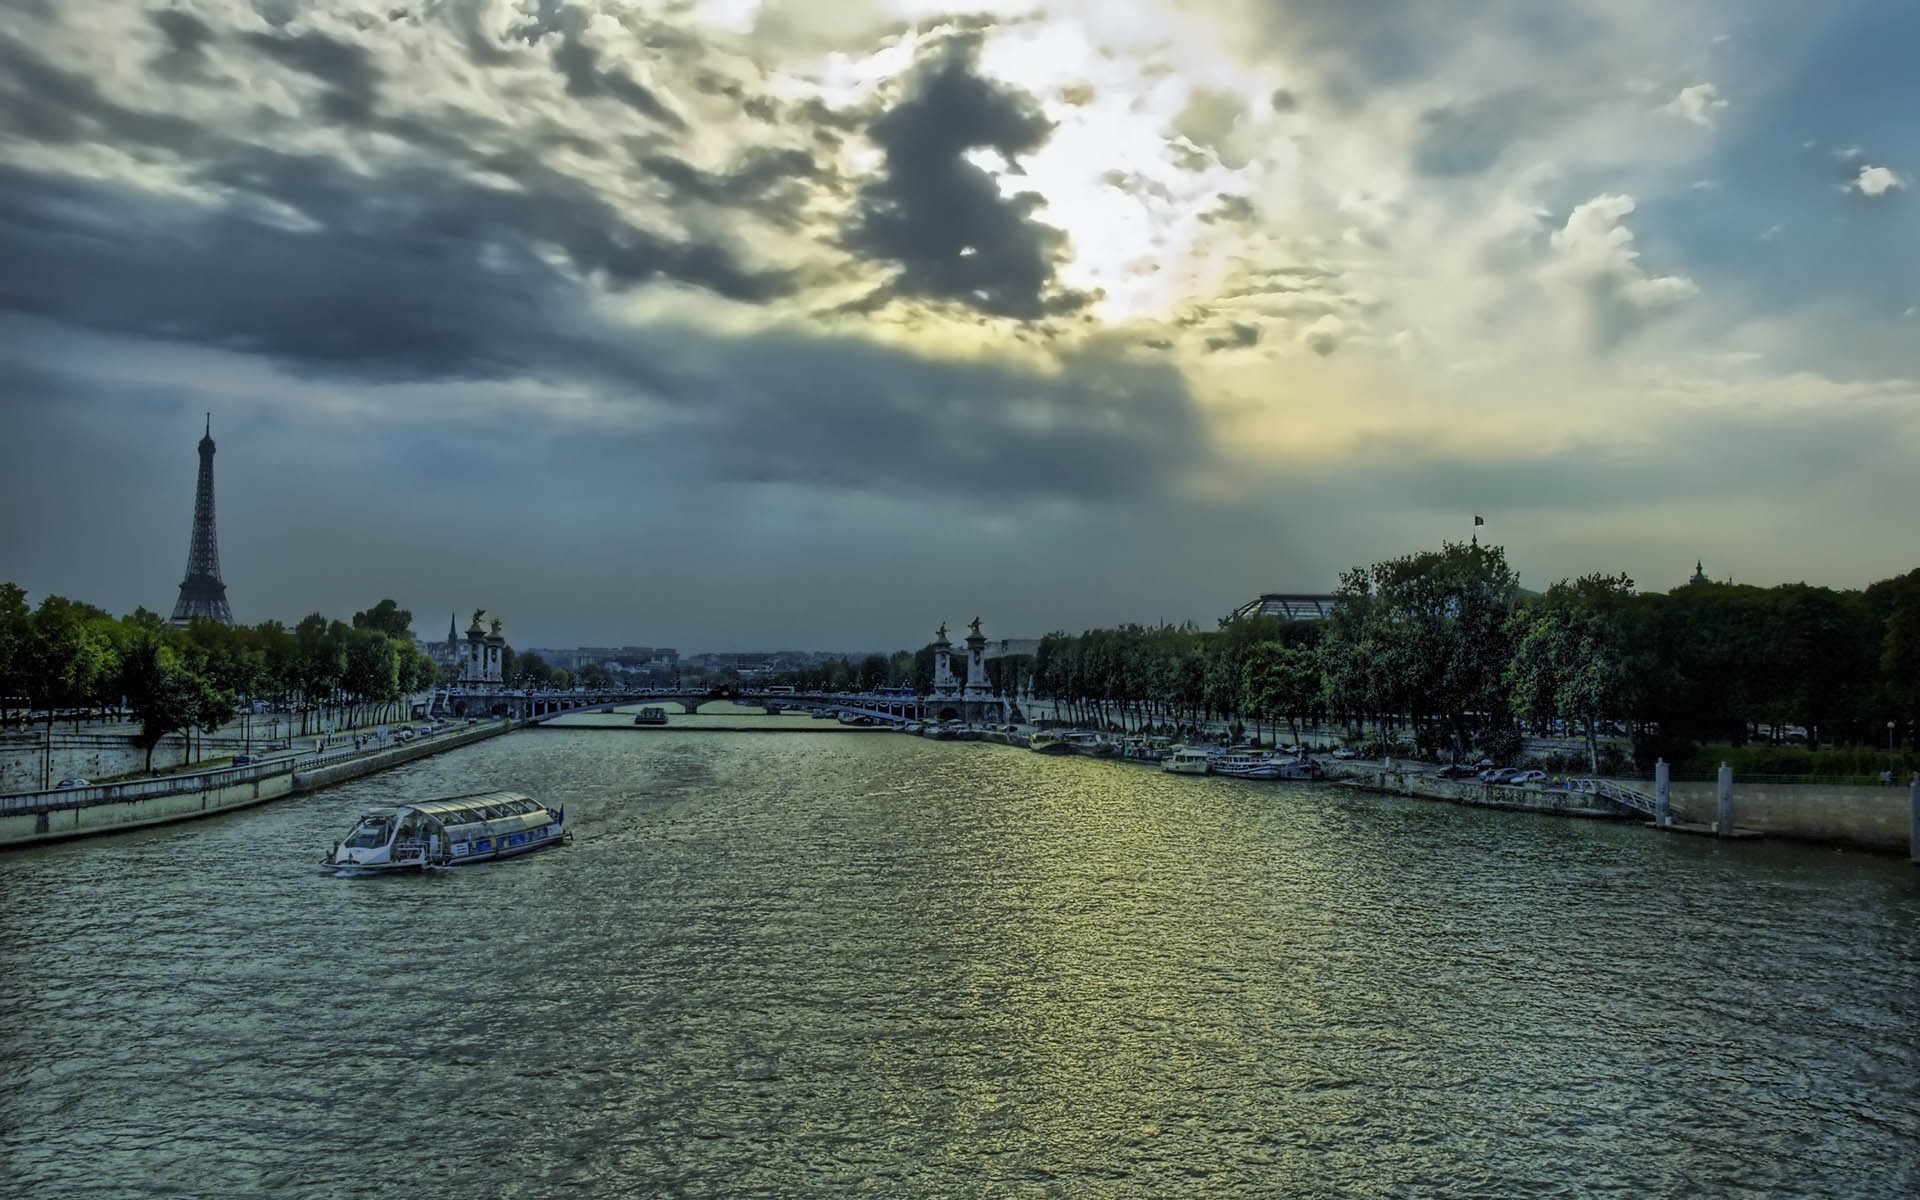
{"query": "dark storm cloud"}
(940, 219)
(352, 81)
(789, 406)
(411, 273)
(186, 34)
(587, 79)
(54, 106)
(767, 181)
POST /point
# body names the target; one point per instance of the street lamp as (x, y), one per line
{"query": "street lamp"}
(1890, 726)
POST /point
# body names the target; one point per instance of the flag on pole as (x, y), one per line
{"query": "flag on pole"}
(1479, 520)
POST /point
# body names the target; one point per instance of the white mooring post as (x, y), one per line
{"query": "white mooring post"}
(1662, 781)
(1913, 818)
(1723, 824)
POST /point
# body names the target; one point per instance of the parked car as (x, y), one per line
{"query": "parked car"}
(1525, 777)
(67, 785)
(245, 760)
(1456, 771)
(1343, 752)
(1499, 774)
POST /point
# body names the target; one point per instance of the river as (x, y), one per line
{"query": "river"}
(824, 962)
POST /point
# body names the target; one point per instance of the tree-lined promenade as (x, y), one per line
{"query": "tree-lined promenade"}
(1448, 657)
(63, 656)
(1440, 653)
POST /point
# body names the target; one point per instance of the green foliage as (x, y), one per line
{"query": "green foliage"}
(1571, 655)
(1426, 637)
(386, 618)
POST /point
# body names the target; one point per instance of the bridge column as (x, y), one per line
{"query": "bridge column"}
(1662, 780)
(1723, 822)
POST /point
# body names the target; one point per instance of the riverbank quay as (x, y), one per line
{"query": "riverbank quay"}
(34, 818)
(1865, 818)
(32, 757)
(1419, 781)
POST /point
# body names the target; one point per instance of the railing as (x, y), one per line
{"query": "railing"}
(143, 789)
(1625, 797)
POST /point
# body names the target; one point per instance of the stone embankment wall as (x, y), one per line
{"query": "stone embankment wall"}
(53, 816)
(87, 755)
(1400, 781)
(325, 771)
(1875, 818)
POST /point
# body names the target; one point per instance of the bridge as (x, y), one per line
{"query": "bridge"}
(890, 704)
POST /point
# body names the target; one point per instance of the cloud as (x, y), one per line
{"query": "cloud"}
(940, 218)
(1596, 267)
(1324, 336)
(1700, 105)
(1877, 181)
(1466, 138)
(578, 60)
(408, 273)
(352, 81)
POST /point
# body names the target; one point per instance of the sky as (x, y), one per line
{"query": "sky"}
(733, 324)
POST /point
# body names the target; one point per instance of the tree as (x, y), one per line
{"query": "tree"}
(1282, 683)
(16, 631)
(320, 660)
(1425, 637)
(872, 673)
(68, 657)
(373, 669)
(388, 618)
(166, 696)
(1571, 655)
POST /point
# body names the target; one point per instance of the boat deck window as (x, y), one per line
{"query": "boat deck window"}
(369, 835)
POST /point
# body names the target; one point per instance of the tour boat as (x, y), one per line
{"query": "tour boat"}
(450, 833)
(651, 716)
(1187, 760)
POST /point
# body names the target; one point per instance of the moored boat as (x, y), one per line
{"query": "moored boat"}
(650, 716)
(1187, 760)
(450, 833)
(1245, 764)
(1092, 744)
(1049, 741)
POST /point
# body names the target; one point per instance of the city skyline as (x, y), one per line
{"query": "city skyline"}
(757, 326)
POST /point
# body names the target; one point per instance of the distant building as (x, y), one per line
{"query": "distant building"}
(1288, 606)
(448, 653)
(1699, 575)
(1012, 646)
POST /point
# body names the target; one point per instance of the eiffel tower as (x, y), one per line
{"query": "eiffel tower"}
(202, 595)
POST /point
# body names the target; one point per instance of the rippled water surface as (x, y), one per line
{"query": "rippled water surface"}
(822, 963)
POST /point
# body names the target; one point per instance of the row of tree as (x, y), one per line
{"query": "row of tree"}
(1445, 650)
(62, 656)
